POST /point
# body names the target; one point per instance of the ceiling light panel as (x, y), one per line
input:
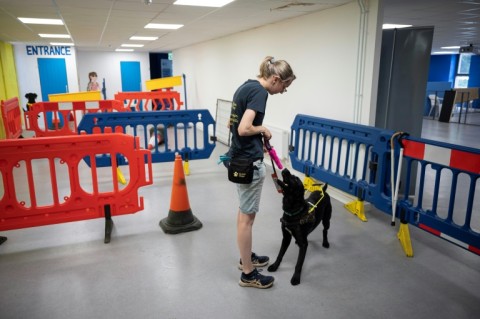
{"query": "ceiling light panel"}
(140, 38)
(203, 3)
(56, 36)
(62, 43)
(126, 45)
(163, 26)
(41, 21)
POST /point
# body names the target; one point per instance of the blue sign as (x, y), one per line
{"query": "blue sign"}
(48, 50)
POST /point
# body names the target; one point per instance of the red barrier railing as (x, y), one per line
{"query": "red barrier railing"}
(65, 115)
(11, 116)
(160, 100)
(45, 180)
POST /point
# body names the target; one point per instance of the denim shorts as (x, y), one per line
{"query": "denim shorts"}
(249, 194)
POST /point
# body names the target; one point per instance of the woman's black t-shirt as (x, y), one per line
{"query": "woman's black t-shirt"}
(250, 95)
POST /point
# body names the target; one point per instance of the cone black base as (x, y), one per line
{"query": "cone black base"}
(180, 222)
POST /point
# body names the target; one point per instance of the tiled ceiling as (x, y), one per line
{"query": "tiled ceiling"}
(103, 25)
(455, 22)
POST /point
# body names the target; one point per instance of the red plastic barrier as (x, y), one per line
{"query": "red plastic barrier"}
(74, 190)
(161, 100)
(68, 113)
(11, 116)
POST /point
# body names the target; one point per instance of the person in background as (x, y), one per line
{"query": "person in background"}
(93, 85)
(246, 119)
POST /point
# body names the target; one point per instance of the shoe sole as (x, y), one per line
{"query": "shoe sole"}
(254, 285)
(240, 266)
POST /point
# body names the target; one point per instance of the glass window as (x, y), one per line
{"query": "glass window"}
(463, 70)
(464, 63)
(461, 81)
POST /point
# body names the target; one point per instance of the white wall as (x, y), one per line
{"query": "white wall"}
(28, 75)
(322, 49)
(107, 66)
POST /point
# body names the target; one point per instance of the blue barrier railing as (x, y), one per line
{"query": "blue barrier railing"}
(356, 159)
(165, 133)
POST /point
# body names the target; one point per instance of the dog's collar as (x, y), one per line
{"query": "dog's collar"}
(298, 211)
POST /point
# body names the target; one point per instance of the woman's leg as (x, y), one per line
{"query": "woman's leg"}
(244, 239)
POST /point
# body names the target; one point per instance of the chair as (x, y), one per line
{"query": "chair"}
(435, 105)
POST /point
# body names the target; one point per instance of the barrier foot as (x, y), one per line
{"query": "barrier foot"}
(2, 239)
(180, 222)
(120, 176)
(180, 218)
(186, 167)
(108, 224)
(404, 236)
(357, 208)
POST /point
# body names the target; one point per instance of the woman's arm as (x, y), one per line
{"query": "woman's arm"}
(246, 128)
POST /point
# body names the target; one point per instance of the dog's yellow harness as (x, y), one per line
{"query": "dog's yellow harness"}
(314, 206)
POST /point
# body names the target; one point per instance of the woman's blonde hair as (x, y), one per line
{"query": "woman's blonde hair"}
(280, 68)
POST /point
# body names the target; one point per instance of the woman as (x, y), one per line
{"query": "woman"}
(246, 119)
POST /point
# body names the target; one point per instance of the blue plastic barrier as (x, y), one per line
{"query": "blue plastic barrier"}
(444, 168)
(357, 160)
(167, 132)
(353, 158)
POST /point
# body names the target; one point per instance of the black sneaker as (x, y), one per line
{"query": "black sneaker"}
(257, 280)
(257, 261)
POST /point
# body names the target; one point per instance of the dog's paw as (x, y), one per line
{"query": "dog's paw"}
(272, 267)
(295, 280)
(326, 244)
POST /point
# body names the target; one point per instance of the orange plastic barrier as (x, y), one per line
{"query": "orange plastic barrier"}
(11, 117)
(72, 191)
(160, 100)
(66, 115)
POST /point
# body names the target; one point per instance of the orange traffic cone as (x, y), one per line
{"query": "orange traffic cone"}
(180, 218)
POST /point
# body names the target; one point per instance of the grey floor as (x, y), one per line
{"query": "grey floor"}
(66, 271)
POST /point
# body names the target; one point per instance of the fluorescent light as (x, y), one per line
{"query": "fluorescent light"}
(143, 38)
(124, 50)
(203, 3)
(60, 43)
(57, 36)
(445, 52)
(41, 21)
(132, 45)
(395, 26)
(163, 26)
(451, 47)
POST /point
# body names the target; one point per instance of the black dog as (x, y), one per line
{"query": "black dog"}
(31, 100)
(300, 218)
